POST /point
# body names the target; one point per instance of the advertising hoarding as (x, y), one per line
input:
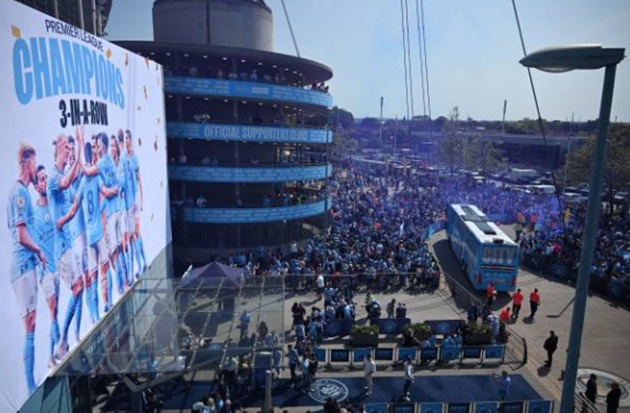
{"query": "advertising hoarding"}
(249, 90)
(84, 188)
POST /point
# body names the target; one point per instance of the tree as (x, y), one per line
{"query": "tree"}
(617, 168)
(341, 117)
(483, 155)
(450, 146)
(342, 146)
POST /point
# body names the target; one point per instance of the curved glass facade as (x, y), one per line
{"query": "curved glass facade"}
(248, 138)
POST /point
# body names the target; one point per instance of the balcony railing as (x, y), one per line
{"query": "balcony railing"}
(249, 174)
(254, 215)
(222, 132)
(245, 90)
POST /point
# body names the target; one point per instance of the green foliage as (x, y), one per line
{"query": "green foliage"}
(450, 147)
(617, 172)
(420, 328)
(479, 328)
(482, 155)
(358, 330)
(342, 146)
(341, 117)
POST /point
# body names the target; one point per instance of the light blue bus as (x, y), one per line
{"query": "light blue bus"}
(485, 253)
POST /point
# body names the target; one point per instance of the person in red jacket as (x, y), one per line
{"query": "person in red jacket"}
(504, 317)
(534, 302)
(491, 294)
(517, 301)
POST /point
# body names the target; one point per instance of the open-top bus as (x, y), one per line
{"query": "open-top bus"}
(486, 254)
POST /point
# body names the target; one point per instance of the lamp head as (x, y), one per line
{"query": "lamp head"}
(566, 58)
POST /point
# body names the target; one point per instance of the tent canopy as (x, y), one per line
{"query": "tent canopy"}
(212, 275)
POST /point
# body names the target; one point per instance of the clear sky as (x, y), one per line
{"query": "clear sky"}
(473, 50)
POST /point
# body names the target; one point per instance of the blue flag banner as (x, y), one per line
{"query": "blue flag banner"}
(391, 325)
(428, 353)
(494, 352)
(458, 408)
(339, 356)
(360, 354)
(403, 407)
(384, 354)
(448, 353)
(513, 407)
(405, 352)
(320, 353)
(540, 406)
(431, 407)
(377, 408)
(486, 407)
(473, 352)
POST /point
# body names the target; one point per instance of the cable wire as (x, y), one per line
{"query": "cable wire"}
(424, 97)
(402, 25)
(409, 59)
(286, 14)
(426, 65)
(540, 120)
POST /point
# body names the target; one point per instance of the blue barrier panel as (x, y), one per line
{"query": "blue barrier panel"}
(244, 89)
(386, 354)
(360, 353)
(250, 215)
(513, 407)
(428, 353)
(494, 352)
(339, 356)
(431, 407)
(486, 407)
(336, 328)
(448, 353)
(377, 408)
(252, 174)
(540, 406)
(458, 408)
(407, 351)
(472, 352)
(444, 326)
(391, 325)
(403, 407)
(321, 354)
(221, 132)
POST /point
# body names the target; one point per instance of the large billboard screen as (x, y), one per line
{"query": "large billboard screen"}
(84, 188)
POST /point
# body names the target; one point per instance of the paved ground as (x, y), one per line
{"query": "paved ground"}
(604, 346)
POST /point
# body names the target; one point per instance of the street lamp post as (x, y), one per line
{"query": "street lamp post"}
(564, 59)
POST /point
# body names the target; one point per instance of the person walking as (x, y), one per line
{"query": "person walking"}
(369, 368)
(293, 357)
(551, 344)
(534, 303)
(409, 378)
(391, 308)
(517, 301)
(491, 294)
(591, 389)
(504, 317)
(505, 383)
(613, 397)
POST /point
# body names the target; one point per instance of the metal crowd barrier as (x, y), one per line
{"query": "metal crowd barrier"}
(439, 355)
(516, 406)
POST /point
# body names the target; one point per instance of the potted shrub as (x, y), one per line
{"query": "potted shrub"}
(364, 336)
(477, 334)
(421, 331)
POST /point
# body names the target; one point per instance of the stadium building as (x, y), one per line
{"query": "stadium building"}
(247, 129)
